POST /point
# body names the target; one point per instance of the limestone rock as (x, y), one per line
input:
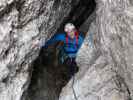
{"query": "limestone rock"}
(22, 22)
(106, 69)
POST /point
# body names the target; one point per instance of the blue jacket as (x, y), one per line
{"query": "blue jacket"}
(71, 47)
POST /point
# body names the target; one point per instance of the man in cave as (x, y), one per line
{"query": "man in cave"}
(72, 40)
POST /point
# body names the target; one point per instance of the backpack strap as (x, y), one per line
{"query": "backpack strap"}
(77, 36)
(67, 39)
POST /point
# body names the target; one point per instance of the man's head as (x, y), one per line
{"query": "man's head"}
(70, 29)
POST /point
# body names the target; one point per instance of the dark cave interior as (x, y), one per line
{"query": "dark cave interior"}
(49, 77)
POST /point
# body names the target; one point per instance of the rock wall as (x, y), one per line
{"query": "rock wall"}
(106, 66)
(48, 76)
(22, 23)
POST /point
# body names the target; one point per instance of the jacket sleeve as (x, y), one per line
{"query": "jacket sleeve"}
(55, 38)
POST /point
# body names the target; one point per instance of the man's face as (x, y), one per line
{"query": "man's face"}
(71, 33)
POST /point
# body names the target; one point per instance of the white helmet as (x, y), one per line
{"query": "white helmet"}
(69, 27)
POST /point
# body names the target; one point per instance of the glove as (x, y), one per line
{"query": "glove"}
(35, 43)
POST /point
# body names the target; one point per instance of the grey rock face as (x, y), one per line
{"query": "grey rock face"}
(105, 64)
(106, 68)
(22, 22)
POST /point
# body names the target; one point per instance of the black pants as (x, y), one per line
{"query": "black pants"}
(72, 66)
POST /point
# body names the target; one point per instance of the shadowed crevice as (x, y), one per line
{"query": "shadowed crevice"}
(48, 76)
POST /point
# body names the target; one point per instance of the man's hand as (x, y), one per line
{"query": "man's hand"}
(36, 43)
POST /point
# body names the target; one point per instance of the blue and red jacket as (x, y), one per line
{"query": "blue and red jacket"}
(70, 46)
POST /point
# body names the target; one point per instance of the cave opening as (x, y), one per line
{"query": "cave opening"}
(48, 76)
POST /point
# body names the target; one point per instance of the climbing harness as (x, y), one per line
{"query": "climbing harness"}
(62, 56)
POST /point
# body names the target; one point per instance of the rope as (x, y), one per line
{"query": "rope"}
(74, 93)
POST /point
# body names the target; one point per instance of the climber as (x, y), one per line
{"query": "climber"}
(72, 40)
